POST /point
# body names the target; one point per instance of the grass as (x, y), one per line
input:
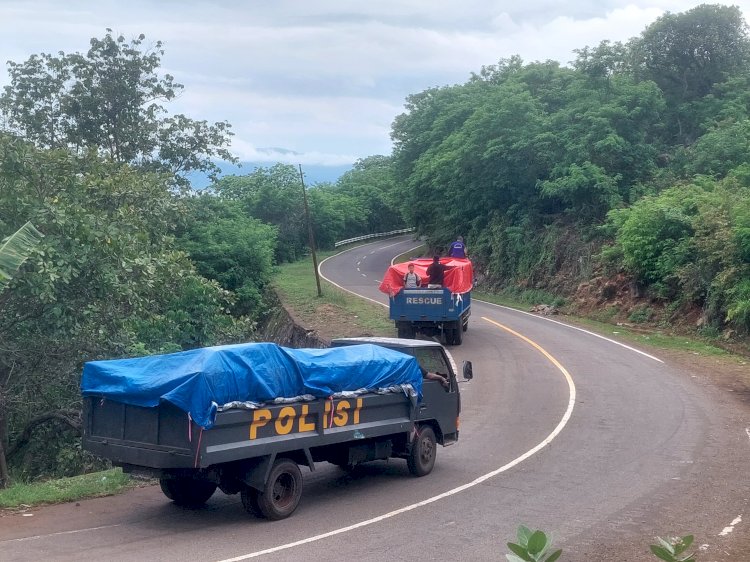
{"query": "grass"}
(296, 287)
(95, 484)
(655, 338)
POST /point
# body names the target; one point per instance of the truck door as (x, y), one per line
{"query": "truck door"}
(438, 403)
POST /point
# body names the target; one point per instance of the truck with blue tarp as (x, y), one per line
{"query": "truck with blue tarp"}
(243, 418)
(441, 311)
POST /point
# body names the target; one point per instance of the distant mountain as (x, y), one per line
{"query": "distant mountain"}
(313, 173)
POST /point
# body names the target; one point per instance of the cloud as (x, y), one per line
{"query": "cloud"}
(249, 153)
(324, 79)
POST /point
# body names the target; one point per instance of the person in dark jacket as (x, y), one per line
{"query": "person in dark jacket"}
(436, 273)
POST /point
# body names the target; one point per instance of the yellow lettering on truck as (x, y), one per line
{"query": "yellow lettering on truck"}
(342, 417)
(305, 425)
(260, 418)
(285, 421)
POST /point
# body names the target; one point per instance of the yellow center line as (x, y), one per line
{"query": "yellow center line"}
(448, 493)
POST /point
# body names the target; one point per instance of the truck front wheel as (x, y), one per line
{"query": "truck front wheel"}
(187, 492)
(282, 492)
(421, 460)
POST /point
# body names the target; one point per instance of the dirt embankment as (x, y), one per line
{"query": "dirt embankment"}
(283, 327)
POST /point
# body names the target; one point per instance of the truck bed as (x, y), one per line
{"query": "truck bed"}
(164, 437)
(428, 305)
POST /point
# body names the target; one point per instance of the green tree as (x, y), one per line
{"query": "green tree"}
(371, 187)
(691, 243)
(234, 249)
(104, 281)
(723, 148)
(111, 99)
(688, 54)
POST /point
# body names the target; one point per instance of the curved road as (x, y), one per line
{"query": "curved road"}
(561, 429)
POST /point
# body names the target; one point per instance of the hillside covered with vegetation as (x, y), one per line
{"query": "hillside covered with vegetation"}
(634, 161)
(630, 167)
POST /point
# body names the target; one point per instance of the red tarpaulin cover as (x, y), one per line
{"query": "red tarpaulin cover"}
(458, 275)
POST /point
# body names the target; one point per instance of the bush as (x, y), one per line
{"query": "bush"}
(641, 314)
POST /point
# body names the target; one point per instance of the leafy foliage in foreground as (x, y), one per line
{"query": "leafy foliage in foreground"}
(16, 250)
(532, 546)
(672, 550)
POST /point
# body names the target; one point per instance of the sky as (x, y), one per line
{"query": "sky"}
(319, 82)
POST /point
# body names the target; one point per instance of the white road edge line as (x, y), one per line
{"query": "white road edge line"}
(555, 432)
(730, 528)
(320, 272)
(406, 252)
(573, 328)
(550, 320)
(61, 533)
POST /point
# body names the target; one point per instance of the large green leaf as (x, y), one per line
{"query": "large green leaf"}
(520, 552)
(16, 250)
(537, 543)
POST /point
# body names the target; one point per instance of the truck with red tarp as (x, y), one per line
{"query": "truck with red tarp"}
(442, 311)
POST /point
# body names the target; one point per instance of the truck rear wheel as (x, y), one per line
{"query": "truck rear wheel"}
(187, 492)
(405, 330)
(458, 334)
(421, 460)
(282, 492)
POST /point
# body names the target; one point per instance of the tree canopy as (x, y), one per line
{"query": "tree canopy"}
(541, 166)
(111, 99)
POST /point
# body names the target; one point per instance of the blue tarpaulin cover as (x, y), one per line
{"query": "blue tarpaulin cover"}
(199, 380)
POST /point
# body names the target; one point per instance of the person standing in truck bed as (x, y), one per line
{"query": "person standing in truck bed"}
(412, 280)
(458, 248)
(436, 273)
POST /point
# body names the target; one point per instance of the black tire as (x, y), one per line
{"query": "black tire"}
(466, 325)
(421, 460)
(405, 330)
(458, 334)
(282, 492)
(249, 498)
(448, 336)
(187, 492)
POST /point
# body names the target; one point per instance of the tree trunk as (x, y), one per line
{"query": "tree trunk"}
(67, 417)
(4, 474)
(5, 373)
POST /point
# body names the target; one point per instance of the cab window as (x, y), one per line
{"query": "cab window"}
(432, 359)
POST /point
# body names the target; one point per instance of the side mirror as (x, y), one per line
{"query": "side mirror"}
(468, 372)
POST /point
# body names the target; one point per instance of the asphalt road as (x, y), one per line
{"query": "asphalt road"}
(563, 430)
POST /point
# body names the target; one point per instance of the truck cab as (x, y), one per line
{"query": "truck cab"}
(438, 403)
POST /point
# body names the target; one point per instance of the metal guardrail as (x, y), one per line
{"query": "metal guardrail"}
(368, 236)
